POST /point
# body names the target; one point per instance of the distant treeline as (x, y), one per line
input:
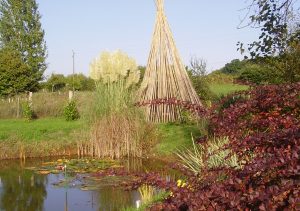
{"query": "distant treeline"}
(59, 82)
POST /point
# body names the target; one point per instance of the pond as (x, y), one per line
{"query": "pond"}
(25, 189)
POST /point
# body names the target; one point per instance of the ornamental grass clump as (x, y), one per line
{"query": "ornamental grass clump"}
(118, 128)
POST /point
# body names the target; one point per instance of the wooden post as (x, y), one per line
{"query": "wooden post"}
(18, 107)
(30, 99)
(71, 95)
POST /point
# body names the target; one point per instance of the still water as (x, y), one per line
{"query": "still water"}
(24, 190)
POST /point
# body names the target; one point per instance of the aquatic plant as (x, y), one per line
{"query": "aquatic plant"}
(75, 166)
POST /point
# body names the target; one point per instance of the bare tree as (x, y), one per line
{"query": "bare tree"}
(198, 66)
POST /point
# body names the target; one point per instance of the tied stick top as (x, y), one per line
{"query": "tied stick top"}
(160, 5)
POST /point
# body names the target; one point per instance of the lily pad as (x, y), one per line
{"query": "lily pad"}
(75, 166)
(44, 172)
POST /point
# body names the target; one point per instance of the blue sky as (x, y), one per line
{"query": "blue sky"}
(206, 29)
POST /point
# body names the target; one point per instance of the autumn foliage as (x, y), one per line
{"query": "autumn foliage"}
(263, 125)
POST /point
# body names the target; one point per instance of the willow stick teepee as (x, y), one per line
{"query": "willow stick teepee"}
(166, 89)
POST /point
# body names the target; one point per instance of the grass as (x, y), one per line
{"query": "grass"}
(45, 104)
(175, 136)
(56, 130)
(40, 138)
(222, 89)
(49, 129)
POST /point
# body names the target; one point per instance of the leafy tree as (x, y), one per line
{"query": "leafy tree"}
(81, 82)
(278, 25)
(279, 39)
(288, 64)
(20, 29)
(256, 73)
(14, 73)
(234, 67)
(56, 82)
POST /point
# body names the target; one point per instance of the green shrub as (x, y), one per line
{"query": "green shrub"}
(234, 67)
(202, 88)
(187, 117)
(70, 111)
(27, 111)
(218, 77)
(258, 74)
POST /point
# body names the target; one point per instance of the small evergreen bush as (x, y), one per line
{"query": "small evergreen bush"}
(27, 111)
(70, 111)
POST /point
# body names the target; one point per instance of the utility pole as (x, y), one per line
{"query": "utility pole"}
(73, 71)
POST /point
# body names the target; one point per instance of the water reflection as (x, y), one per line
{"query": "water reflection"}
(22, 189)
(152, 165)
(114, 199)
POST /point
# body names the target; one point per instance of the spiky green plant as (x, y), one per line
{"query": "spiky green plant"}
(218, 156)
(147, 193)
(192, 159)
(212, 155)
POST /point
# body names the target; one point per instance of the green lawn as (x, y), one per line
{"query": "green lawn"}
(49, 129)
(222, 89)
(56, 130)
(175, 137)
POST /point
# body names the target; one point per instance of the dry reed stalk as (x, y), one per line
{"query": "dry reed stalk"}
(13, 149)
(116, 136)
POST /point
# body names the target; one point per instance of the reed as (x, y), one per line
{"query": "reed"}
(16, 149)
(118, 128)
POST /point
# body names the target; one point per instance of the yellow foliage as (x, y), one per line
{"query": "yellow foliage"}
(181, 183)
(147, 193)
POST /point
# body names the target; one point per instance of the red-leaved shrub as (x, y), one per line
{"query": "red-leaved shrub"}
(264, 129)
